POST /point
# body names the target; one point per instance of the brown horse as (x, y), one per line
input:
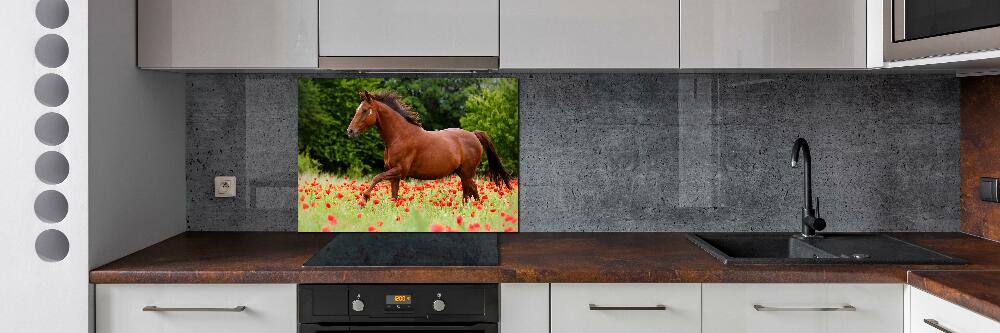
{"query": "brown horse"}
(412, 152)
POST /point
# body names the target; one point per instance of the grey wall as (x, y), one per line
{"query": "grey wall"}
(640, 152)
(136, 141)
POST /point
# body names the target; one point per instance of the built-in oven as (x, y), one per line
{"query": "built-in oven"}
(916, 29)
(386, 308)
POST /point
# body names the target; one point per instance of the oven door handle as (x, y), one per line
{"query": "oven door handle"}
(481, 327)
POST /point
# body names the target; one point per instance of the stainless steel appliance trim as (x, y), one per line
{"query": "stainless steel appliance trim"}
(376, 64)
(935, 324)
(898, 20)
(658, 307)
(154, 308)
(848, 307)
(963, 42)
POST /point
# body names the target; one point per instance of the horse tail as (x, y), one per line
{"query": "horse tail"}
(494, 169)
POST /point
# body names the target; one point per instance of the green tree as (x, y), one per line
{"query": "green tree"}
(326, 108)
(440, 102)
(494, 111)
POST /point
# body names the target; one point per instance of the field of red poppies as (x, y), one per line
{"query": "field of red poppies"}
(329, 203)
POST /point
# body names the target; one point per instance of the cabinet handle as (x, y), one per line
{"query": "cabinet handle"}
(240, 308)
(848, 307)
(935, 324)
(594, 307)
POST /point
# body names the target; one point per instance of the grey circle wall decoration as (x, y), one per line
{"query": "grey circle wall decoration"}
(52, 13)
(51, 129)
(52, 167)
(52, 245)
(51, 206)
(51, 90)
(51, 50)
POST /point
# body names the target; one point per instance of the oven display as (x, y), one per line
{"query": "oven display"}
(398, 303)
(398, 299)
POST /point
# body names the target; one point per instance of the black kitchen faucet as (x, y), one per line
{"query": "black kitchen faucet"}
(810, 221)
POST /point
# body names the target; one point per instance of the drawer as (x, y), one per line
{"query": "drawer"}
(948, 316)
(269, 308)
(802, 308)
(625, 307)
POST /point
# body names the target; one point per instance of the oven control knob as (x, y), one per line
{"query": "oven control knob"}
(438, 305)
(358, 305)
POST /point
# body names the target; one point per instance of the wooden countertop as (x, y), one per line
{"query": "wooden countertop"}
(277, 257)
(978, 291)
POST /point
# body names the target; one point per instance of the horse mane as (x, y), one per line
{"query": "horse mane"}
(395, 103)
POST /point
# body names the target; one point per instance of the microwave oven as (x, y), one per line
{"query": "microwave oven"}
(915, 29)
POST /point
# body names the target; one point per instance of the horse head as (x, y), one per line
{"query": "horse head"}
(365, 116)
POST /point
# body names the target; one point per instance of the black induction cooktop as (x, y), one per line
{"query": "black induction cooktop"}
(409, 249)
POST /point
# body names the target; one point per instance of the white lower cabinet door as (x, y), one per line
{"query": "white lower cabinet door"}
(196, 308)
(930, 314)
(625, 307)
(802, 308)
(524, 308)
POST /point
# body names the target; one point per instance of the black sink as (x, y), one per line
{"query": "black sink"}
(786, 248)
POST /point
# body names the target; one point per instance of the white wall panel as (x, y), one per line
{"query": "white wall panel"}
(38, 295)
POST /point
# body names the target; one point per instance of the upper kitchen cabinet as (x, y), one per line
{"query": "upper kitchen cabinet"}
(589, 34)
(407, 34)
(207, 34)
(779, 34)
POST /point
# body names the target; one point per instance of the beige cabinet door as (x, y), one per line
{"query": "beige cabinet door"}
(589, 34)
(930, 314)
(626, 307)
(196, 308)
(407, 28)
(798, 307)
(774, 34)
(227, 34)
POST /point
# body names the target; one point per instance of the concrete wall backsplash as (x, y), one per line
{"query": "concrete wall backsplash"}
(639, 152)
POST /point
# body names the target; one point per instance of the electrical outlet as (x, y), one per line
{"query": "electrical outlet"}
(988, 189)
(225, 187)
